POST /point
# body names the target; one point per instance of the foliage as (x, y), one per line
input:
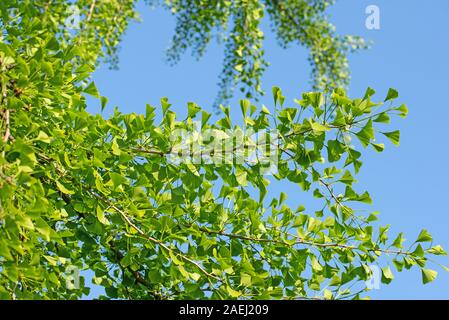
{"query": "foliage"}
(238, 23)
(99, 194)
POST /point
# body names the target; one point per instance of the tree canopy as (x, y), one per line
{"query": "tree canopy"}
(78, 190)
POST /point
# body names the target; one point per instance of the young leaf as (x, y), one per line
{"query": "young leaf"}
(403, 110)
(63, 188)
(424, 236)
(392, 94)
(393, 136)
(387, 275)
(428, 275)
(193, 109)
(92, 90)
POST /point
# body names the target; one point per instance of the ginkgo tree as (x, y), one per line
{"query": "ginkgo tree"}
(79, 191)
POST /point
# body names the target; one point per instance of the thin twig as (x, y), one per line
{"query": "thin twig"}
(47, 5)
(91, 10)
(148, 151)
(7, 123)
(154, 240)
(282, 10)
(299, 241)
(136, 274)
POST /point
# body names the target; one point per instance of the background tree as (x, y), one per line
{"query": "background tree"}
(101, 194)
(238, 25)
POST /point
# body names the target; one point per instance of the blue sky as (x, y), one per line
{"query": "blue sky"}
(409, 53)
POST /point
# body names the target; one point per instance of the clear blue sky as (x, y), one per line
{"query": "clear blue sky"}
(408, 184)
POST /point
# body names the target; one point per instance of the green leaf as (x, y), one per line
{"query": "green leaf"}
(25, 222)
(335, 149)
(387, 275)
(437, 250)
(398, 264)
(318, 127)
(245, 280)
(327, 294)
(424, 236)
(383, 118)
(204, 117)
(315, 99)
(4, 250)
(347, 178)
(244, 106)
(277, 96)
(419, 252)
(104, 102)
(193, 169)
(174, 258)
(365, 198)
(43, 228)
(92, 90)
(428, 275)
(241, 176)
(392, 94)
(265, 110)
(43, 137)
(403, 110)
(366, 133)
(399, 240)
(379, 147)
(101, 217)
(63, 188)
(316, 266)
(393, 136)
(369, 93)
(165, 105)
(233, 293)
(282, 197)
(275, 91)
(115, 148)
(193, 109)
(117, 179)
(195, 276)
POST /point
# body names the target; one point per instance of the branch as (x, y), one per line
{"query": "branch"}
(137, 276)
(154, 240)
(300, 241)
(91, 10)
(47, 5)
(286, 13)
(149, 151)
(7, 135)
